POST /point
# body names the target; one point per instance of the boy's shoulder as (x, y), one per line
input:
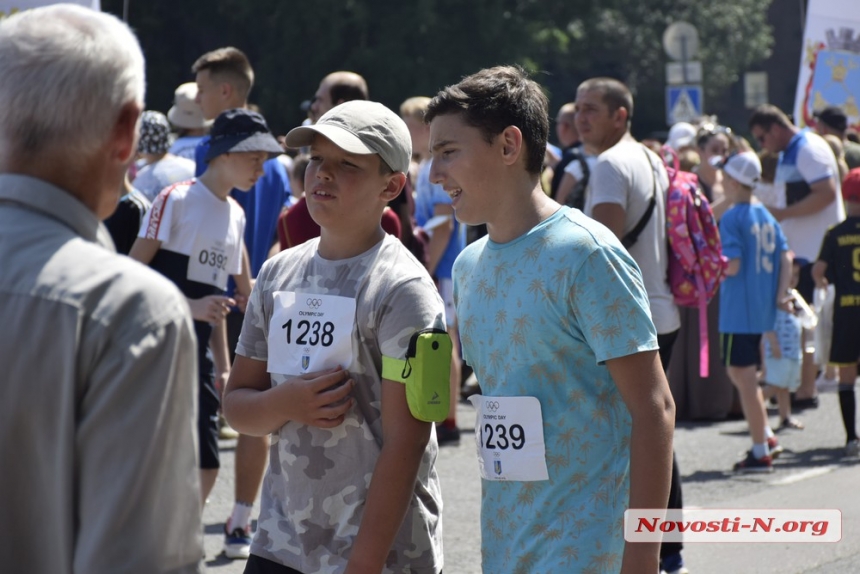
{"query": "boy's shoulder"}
(847, 226)
(388, 261)
(744, 212)
(566, 239)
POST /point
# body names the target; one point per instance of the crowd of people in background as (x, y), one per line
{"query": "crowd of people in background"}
(454, 216)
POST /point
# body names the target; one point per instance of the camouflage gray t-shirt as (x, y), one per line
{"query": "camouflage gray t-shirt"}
(315, 487)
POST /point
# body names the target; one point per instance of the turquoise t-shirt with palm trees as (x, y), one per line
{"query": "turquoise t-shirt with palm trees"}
(538, 317)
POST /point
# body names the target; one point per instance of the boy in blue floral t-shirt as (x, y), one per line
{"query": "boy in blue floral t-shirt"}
(575, 425)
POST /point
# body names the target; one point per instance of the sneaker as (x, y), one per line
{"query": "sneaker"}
(774, 447)
(825, 384)
(753, 464)
(807, 403)
(852, 449)
(447, 435)
(790, 423)
(237, 542)
(225, 431)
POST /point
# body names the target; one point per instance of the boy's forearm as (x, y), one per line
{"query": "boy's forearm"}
(251, 412)
(219, 348)
(784, 273)
(650, 478)
(388, 498)
(243, 279)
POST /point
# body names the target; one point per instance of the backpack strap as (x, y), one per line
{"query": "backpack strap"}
(630, 239)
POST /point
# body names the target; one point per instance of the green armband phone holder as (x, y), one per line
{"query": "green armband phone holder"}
(426, 372)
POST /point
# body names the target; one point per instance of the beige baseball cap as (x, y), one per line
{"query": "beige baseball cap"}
(361, 127)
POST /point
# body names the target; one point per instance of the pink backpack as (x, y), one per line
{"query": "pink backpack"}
(696, 262)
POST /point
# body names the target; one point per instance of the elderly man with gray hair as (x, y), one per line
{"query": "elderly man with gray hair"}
(97, 415)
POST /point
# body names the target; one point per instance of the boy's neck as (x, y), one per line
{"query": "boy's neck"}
(216, 183)
(345, 243)
(232, 105)
(743, 196)
(519, 210)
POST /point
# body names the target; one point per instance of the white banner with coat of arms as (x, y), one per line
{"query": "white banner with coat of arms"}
(9, 7)
(830, 61)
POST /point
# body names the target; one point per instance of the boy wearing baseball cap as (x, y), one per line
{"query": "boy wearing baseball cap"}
(757, 282)
(837, 265)
(193, 236)
(333, 329)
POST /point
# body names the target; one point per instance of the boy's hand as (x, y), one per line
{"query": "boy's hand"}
(785, 302)
(241, 301)
(211, 308)
(318, 399)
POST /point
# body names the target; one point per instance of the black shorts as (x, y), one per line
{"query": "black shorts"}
(740, 350)
(845, 346)
(257, 565)
(208, 403)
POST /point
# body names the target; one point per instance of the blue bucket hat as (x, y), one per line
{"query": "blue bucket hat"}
(239, 130)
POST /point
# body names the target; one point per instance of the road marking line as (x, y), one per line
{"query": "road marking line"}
(798, 476)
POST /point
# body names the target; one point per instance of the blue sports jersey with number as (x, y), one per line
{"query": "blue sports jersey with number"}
(538, 317)
(748, 299)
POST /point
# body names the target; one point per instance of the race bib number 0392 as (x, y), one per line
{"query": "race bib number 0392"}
(310, 332)
(208, 262)
(509, 437)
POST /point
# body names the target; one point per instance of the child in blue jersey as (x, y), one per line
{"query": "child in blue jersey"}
(576, 422)
(757, 282)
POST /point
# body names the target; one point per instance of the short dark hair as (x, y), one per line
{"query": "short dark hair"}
(230, 65)
(347, 92)
(345, 86)
(494, 99)
(767, 115)
(613, 93)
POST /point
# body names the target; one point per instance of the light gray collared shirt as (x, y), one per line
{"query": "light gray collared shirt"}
(98, 398)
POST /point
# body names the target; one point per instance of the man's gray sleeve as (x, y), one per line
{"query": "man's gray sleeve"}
(137, 479)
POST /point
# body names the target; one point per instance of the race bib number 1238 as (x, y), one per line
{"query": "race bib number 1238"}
(310, 332)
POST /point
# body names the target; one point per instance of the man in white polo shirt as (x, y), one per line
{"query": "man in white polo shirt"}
(808, 175)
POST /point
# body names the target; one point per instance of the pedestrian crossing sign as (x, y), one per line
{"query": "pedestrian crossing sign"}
(683, 104)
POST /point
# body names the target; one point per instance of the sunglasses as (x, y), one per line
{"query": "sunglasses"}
(708, 131)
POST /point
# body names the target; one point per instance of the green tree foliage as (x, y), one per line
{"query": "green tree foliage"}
(417, 47)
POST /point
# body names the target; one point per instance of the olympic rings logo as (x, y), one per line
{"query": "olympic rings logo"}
(492, 406)
(314, 303)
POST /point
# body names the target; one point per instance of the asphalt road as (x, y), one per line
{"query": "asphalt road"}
(811, 473)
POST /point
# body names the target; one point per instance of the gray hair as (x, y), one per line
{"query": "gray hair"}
(66, 72)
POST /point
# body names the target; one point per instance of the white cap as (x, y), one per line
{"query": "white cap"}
(680, 135)
(361, 127)
(186, 112)
(744, 167)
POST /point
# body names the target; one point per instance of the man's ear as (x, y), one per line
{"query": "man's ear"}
(512, 144)
(125, 132)
(396, 182)
(622, 117)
